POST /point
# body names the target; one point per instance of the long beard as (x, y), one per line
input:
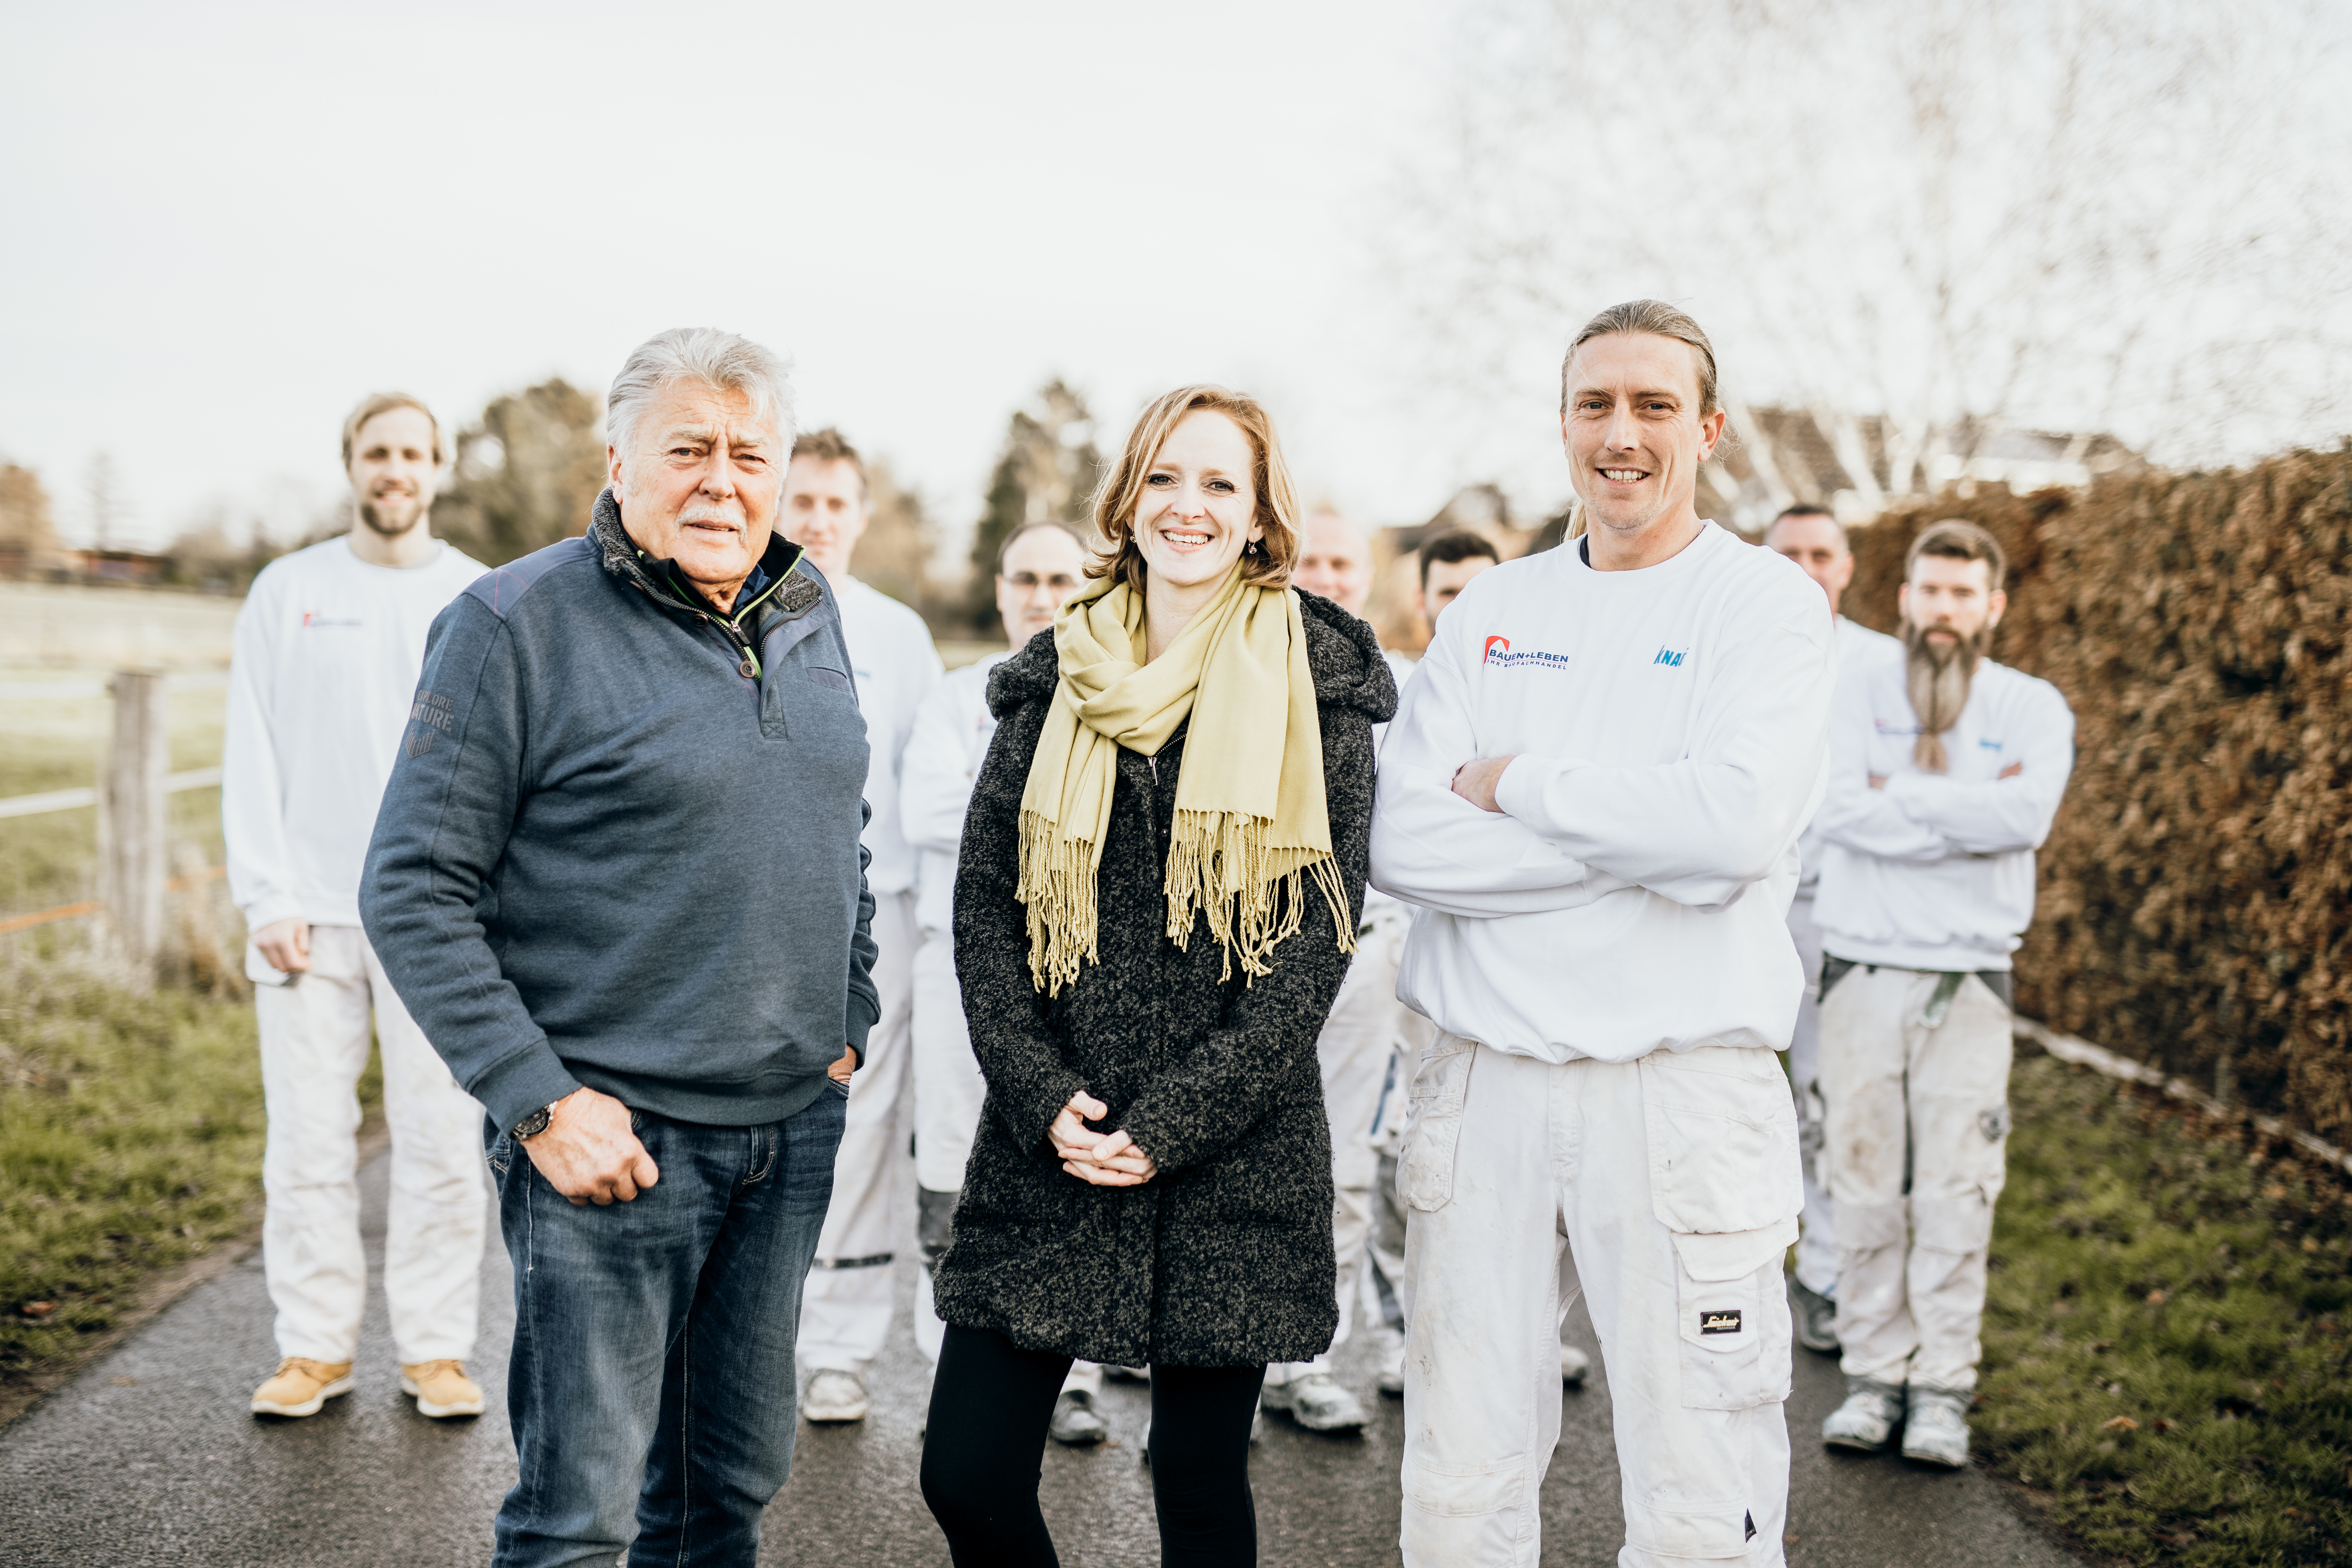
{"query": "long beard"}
(1938, 680)
(390, 527)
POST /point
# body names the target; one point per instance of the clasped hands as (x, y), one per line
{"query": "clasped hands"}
(1108, 1160)
(588, 1151)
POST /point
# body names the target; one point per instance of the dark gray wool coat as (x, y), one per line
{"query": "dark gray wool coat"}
(1224, 1258)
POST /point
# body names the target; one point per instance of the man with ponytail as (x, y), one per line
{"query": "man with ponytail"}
(1946, 770)
(1594, 788)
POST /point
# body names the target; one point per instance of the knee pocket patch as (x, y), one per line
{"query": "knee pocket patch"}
(1705, 1530)
(1468, 1491)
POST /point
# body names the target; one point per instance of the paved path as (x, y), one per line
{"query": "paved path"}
(148, 1457)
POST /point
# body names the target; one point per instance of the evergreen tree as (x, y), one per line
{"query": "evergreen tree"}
(1046, 472)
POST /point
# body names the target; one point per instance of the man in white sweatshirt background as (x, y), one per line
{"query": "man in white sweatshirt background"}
(1362, 1037)
(1945, 772)
(1594, 788)
(1038, 566)
(327, 648)
(1814, 539)
(845, 1310)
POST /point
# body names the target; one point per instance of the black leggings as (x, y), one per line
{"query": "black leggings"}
(991, 1404)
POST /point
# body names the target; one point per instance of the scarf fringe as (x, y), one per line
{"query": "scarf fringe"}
(1218, 861)
(1057, 886)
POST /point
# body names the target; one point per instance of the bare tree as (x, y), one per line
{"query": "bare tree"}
(1953, 215)
(107, 508)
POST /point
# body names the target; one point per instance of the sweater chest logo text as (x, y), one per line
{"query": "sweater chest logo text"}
(1499, 655)
(319, 621)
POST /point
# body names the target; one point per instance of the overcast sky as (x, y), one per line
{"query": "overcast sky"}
(224, 224)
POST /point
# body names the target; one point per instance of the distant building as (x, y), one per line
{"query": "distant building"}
(127, 566)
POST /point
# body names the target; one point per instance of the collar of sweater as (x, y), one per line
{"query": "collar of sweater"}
(791, 590)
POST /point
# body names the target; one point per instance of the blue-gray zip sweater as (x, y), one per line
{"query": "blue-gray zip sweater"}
(620, 847)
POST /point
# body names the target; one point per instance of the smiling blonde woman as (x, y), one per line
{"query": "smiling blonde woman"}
(1161, 874)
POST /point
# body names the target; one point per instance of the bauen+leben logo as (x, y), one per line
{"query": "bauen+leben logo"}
(1499, 655)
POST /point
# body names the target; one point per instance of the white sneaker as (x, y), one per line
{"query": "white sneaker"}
(1074, 1423)
(1866, 1422)
(832, 1395)
(1316, 1403)
(1574, 1366)
(1936, 1427)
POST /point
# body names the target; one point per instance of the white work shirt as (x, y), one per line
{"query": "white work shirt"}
(1669, 730)
(890, 653)
(1857, 649)
(1935, 870)
(952, 730)
(327, 653)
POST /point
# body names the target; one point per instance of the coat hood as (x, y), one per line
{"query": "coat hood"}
(1342, 653)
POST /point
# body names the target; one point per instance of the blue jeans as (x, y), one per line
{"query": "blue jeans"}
(651, 1389)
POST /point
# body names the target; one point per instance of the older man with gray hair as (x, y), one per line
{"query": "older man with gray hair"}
(616, 877)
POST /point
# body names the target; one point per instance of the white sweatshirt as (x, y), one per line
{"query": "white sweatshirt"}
(1857, 647)
(952, 730)
(890, 653)
(326, 657)
(1936, 871)
(1668, 726)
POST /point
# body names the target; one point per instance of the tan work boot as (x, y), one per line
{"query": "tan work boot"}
(300, 1386)
(441, 1388)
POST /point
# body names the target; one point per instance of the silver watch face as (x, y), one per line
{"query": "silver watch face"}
(535, 1123)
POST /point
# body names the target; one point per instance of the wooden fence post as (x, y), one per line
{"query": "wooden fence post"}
(132, 853)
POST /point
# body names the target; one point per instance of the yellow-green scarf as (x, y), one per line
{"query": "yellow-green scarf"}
(1250, 813)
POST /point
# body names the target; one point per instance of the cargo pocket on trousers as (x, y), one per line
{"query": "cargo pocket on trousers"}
(1722, 1131)
(1433, 1133)
(1736, 1336)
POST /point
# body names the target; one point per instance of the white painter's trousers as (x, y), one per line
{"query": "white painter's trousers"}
(846, 1308)
(949, 1089)
(1358, 1041)
(1672, 1181)
(314, 1045)
(948, 1094)
(1817, 1246)
(1918, 1099)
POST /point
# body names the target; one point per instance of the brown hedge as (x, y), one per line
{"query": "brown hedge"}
(2196, 895)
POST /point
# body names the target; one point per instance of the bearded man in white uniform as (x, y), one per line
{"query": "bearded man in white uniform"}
(1594, 788)
(1038, 567)
(328, 646)
(1814, 539)
(845, 1310)
(1945, 772)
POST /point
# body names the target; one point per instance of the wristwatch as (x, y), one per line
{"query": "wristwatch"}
(534, 1124)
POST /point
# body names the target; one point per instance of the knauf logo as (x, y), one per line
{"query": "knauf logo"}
(1498, 654)
(1669, 657)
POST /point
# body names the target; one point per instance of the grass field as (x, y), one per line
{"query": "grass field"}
(2168, 1365)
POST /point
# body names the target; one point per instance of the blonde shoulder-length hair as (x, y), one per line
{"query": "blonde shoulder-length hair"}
(1122, 491)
